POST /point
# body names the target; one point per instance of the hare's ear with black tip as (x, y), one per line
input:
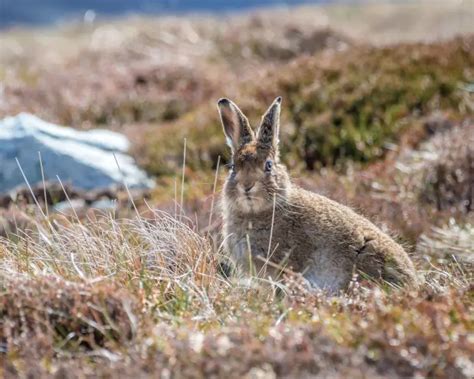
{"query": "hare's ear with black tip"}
(268, 132)
(236, 126)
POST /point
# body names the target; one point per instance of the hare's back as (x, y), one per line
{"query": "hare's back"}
(352, 237)
(329, 219)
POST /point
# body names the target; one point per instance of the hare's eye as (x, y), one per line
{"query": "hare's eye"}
(268, 165)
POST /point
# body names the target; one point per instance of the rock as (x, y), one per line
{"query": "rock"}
(104, 204)
(114, 198)
(54, 194)
(70, 206)
(84, 159)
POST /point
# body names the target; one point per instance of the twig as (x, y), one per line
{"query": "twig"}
(214, 190)
(44, 184)
(29, 187)
(126, 187)
(182, 181)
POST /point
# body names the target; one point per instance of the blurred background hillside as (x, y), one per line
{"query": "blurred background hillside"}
(53, 11)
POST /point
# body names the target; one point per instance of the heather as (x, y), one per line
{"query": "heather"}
(381, 123)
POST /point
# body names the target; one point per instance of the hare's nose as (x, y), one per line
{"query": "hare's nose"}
(248, 187)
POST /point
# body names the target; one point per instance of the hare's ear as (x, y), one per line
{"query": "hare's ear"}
(268, 132)
(236, 126)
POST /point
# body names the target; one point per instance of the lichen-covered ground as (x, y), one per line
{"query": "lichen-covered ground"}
(376, 117)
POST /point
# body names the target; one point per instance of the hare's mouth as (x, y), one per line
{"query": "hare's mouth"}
(247, 199)
(250, 203)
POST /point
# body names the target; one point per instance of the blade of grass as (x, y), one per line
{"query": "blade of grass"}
(182, 181)
(214, 191)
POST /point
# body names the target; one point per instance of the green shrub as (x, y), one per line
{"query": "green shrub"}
(347, 107)
(351, 107)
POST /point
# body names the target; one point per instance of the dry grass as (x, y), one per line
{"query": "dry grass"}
(144, 296)
(453, 240)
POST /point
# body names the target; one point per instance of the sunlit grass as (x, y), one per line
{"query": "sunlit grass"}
(108, 292)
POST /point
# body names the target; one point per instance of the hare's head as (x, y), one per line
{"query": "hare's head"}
(257, 176)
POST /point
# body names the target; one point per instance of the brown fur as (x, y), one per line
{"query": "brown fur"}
(310, 233)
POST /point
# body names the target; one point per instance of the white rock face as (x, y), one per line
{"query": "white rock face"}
(84, 159)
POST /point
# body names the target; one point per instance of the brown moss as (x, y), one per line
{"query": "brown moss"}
(79, 316)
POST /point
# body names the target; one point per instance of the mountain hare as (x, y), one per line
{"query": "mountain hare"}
(269, 219)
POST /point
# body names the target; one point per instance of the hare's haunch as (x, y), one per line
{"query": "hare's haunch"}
(269, 219)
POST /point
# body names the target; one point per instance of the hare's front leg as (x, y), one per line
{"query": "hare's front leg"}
(243, 253)
(251, 258)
